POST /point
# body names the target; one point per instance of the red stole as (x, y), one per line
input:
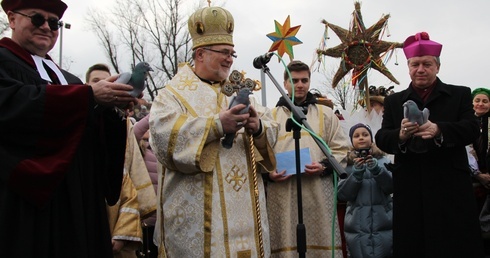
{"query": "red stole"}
(37, 175)
(424, 93)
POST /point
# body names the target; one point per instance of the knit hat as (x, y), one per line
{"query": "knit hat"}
(421, 45)
(480, 91)
(53, 6)
(358, 125)
(211, 26)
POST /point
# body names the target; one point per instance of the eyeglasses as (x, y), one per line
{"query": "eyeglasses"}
(225, 52)
(303, 80)
(38, 20)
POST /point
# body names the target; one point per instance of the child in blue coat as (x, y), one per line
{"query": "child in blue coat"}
(367, 190)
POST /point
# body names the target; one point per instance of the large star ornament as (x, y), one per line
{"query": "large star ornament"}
(360, 48)
(284, 38)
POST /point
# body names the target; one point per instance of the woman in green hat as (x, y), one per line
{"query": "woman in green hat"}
(480, 161)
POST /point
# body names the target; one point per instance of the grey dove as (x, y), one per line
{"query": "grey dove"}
(136, 79)
(414, 114)
(240, 98)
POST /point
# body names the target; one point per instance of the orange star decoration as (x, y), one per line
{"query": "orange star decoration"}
(360, 49)
(284, 38)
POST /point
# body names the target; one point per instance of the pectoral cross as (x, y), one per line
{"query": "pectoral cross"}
(236, 82)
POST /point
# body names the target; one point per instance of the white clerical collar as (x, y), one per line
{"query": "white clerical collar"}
(42, 71)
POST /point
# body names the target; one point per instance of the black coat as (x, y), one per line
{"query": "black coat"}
(61, 160)
(434, 213)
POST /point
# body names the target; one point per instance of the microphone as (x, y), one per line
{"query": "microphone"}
(240, 98)
(262, 60)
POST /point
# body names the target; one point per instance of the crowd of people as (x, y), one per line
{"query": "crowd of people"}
(112, 176)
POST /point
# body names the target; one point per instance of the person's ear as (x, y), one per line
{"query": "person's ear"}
(199, 54)
(11, 19)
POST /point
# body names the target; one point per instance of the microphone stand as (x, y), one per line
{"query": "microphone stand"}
(300, 227)
(300, 117)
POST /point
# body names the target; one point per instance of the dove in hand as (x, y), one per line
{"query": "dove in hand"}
(241, 98)
(413, 114)
(136, 79)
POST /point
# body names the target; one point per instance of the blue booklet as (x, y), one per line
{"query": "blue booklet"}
(287, 161)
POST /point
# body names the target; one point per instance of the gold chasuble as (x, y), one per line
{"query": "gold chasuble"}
(206, 197)
(317, 191)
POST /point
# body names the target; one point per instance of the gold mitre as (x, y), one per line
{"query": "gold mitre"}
(211, 26)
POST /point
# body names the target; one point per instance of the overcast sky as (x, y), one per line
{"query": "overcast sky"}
(461, 26)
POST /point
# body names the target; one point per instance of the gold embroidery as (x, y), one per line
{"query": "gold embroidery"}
(183, 101)
(244, 254)
(321, 121)
(208, 212)
(241, 242)
(308, 247)
(172, 143)
(226, 237)
(236, 178)
(189, 82)
(205, 157)
(179, 216)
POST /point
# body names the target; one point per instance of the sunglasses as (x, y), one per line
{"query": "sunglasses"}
(38, 20)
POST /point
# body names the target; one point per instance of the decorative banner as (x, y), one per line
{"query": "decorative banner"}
(284, 38)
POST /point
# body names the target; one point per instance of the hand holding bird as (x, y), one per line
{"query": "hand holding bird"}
(419, 123)
(241, 98)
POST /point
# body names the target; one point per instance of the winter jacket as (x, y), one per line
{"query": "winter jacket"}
(368, 218)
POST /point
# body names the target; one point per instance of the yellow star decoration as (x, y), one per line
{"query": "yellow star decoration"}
(284, 38)
(360, 49)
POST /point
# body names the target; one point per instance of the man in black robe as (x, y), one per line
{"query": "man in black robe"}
(434, 210)
(62, 144)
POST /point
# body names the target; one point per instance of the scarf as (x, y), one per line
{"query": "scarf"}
(310, 100)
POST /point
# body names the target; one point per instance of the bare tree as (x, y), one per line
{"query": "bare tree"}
(99, 26)
(148, 30)
(4, 25)
(343, 94)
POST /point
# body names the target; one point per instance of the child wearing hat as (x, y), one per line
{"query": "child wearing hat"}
(367, 190)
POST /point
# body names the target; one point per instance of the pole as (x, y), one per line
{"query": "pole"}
(61, 44)
(264, 93)
(300, 227)
(67, 26)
